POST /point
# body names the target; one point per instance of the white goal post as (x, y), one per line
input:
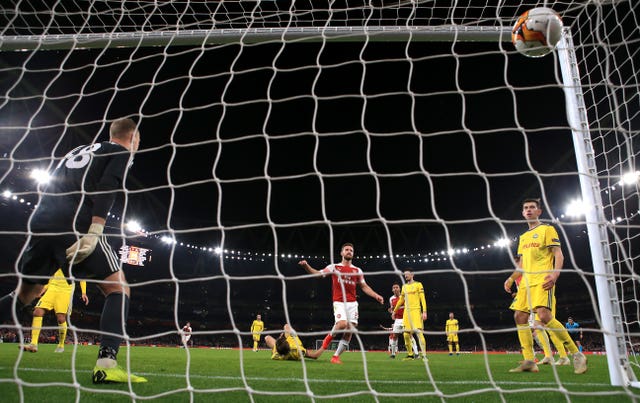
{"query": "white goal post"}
(614, 261)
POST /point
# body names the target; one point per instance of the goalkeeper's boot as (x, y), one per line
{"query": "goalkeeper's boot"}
(114, 375)
(563, 361)
(336, 360)
(547, 361)
(409, 358)
(526, 366)
(579, 363)
(327, 341)
(32, 348)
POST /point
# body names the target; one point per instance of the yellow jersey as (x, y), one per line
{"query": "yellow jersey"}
(58, 283)
(536, 256)
(257, 326)
(451, 326)
(297, 350)
(412, 297)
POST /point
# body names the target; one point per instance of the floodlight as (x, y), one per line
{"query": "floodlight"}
(576, 208)
(167, 239)
(40, 176)
(6, 194)
(631, 177)
(502, 243)
(133, 226)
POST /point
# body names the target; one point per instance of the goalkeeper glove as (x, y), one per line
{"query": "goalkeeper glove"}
(85, 246)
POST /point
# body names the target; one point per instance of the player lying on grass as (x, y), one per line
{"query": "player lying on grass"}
(289, 347)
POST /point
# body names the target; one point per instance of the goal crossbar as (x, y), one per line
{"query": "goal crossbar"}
(443, 33)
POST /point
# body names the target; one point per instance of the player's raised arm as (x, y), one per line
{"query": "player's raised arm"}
(305, 265)
(369, 291)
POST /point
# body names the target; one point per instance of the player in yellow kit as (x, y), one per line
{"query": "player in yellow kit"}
(451, 328)
(540, 261)
(55, 296)
(415, 312)
(288, 347)
(256, 329)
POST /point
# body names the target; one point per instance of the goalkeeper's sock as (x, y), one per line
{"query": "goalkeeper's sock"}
(342, 345)
(36, 326)
(62, 333)
(450, 348)
(526, 341)
(113, 319)
(255, 345)
(6, 304)
(563, 335)
(457, 347)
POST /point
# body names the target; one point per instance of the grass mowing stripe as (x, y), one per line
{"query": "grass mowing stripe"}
(235, 376)
(316, 380)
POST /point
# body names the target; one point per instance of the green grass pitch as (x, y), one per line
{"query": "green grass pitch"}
(208, 375)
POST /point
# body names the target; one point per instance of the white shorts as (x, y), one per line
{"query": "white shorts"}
(345, 311)
(185, 338)
(398, 327)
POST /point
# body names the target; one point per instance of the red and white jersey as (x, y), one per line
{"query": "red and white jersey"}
(186, 330)
(393, 300)
(346, 277)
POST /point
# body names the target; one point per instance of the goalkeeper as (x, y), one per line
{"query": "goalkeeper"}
(67, 231)
(288, 346)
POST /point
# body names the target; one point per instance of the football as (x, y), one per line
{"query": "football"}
(536, 32)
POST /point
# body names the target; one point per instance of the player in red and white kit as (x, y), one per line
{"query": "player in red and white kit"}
(344, 277)
(186, 335)
(397, 328)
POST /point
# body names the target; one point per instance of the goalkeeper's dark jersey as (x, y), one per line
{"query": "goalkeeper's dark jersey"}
(84, 184)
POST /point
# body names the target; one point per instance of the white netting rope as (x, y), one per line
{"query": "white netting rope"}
(613, 115)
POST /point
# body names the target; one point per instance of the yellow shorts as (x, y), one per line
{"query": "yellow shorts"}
(412, 320)
(529, 298)
(452, 338)
(56, 301)
(256, 337)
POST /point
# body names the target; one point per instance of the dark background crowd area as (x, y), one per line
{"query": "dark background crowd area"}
(221, 296)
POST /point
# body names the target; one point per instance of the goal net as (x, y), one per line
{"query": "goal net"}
(274, 131)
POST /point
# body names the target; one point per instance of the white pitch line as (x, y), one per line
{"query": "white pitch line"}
(316, 380)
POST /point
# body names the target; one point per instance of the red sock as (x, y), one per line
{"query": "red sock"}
(327, 341)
